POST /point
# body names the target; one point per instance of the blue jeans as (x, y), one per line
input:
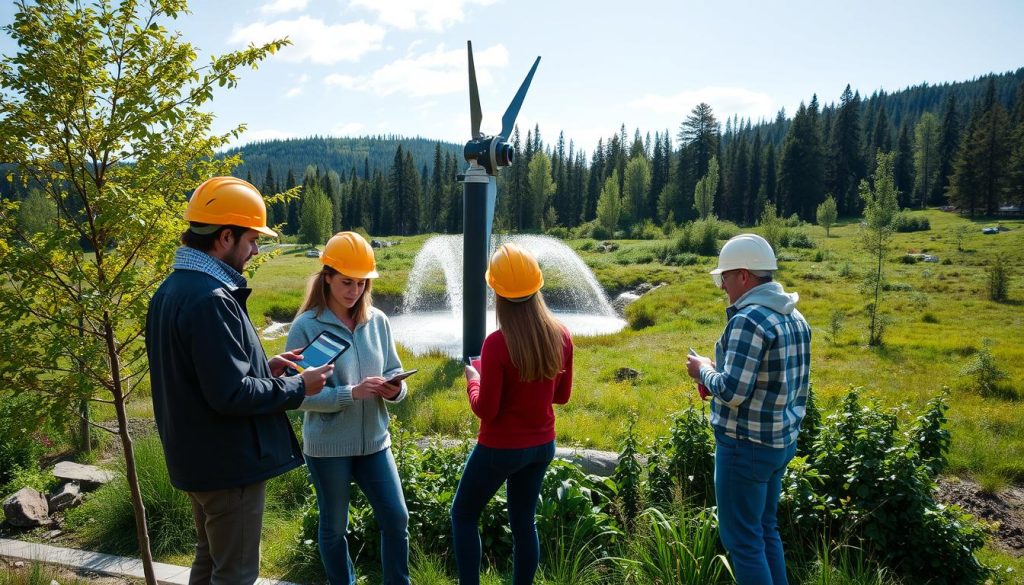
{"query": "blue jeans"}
(748, 482)
(522, 470)
(377, 476)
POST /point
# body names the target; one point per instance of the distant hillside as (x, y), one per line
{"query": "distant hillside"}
(337, 154)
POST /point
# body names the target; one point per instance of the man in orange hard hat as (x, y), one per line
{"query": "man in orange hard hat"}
(218, 401)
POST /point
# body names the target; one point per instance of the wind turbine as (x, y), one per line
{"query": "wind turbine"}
(485, 155)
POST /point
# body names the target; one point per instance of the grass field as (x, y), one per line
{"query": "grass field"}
(939, 314)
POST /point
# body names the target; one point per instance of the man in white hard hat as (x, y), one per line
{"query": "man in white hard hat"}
(758, 385)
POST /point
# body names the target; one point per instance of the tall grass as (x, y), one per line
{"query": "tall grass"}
(680, 549)
(35, 574)
(106, 520)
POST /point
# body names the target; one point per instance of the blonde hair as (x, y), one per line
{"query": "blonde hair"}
(318, 291)
(534, 337)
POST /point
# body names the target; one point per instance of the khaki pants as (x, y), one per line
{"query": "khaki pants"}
(228, 524)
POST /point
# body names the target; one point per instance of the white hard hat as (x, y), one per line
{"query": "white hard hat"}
(749, 251)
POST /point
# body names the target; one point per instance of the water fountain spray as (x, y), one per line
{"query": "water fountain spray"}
(485, 155)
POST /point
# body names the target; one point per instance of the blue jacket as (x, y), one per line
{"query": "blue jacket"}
(219, 412)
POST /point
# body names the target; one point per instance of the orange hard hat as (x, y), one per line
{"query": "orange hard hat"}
(514, 273)
(350, 254)
(229, 201)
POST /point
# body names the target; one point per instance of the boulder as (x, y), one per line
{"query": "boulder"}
(88, 476)
(592, 461)
(27, 508)
(68, 496)
(624, 299)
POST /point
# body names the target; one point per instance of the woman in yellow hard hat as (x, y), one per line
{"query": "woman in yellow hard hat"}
(345, 427)
(525, 367)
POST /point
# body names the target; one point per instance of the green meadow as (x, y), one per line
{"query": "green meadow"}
(938, 315)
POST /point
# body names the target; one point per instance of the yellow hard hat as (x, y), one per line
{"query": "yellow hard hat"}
(514, 273)
(350, 254)
(229, 201)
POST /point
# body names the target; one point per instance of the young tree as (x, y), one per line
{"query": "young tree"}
(316, 217)
(102, 111)
(880, 210)
(609, 204)
(540, 188)
(704, 193)
(37, 213)
(636, 189)
(827, 213)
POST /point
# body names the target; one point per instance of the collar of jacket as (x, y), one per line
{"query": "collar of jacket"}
(186, 258)
(327, 317)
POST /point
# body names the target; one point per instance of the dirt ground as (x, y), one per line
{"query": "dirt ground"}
(1005, 509)
(61, 575)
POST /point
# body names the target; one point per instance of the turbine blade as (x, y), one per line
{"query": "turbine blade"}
(475, 115)
(508, 121)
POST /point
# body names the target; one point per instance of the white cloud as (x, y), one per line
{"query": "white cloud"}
(434, 15)
(282, 6)
(294, 92)
(339, 80)
(348, 129)
(436, 73)
(725, 101)
(313, 40)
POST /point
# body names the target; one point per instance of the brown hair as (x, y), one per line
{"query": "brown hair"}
(534, 337)
(318, 291)
(204, 242)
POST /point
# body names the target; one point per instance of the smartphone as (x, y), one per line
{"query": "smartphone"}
(400, 376)
(325, 349)
(701, 388)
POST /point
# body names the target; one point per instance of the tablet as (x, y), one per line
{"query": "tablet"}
(325, 349)
(397, 378)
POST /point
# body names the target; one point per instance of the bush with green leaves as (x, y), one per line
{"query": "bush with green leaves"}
(985, 375)
(681, 466)
(640, 315)
(627, 478)
(906, 223)
(701, 237)
(870, 483)
(20, 448)
(998, 280)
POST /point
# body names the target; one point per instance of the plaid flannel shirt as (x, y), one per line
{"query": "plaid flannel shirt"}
(762, 370)
(186, 258)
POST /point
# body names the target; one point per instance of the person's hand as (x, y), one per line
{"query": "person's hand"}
(694, 364)
(370, 387)
(282, 361)
(472, 374)
(315, 378)
(390, 391)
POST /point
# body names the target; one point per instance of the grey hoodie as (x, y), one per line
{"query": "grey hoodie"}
(334, 424)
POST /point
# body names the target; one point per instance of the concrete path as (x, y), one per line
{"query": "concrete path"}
(99, 562)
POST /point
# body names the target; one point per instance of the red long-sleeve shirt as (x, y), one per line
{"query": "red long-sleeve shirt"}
(515, 414)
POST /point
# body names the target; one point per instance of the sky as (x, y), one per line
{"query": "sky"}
(368, 67)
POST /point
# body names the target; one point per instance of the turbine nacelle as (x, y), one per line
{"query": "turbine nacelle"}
(492, 152)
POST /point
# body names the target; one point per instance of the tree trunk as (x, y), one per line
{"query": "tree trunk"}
(141, 531)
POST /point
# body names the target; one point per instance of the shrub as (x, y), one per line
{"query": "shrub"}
(645, 230)
(628, 477)
(682, 465)
(681, 548)
(998, 280)
(599, 232)
(587, 246)
(560, 232)
(929, 317)
(19, 451)
(107, 519)
(908, 259)
(800, 239)
(906, 223)
(866, 483)
(835, 325)
(986, 375)
(640, 315)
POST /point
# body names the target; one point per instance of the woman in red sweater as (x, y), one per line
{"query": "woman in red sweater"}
(526, 366)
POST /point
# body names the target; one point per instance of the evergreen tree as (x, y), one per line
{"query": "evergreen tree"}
(755, 193)
(846, 163)
(802, 167)
(393, 210)
(410, 214)
(454, 192)
(949, 148)
(437, 211)
(980, 171)
(1015, 172)
(880, 210)
(904, 167)
(926, 157)
(700, 131)
(771, 174)
(595, 182)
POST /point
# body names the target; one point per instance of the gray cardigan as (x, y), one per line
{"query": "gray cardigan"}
(334, 424)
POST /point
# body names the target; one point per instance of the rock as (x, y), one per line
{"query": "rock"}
(620, 302)
(19, 564)
(592, 461)
(27, 508)
(52, 534)
(607, 247)
(88, 476)
(381, 243)
(69, 496)
(623, 374)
